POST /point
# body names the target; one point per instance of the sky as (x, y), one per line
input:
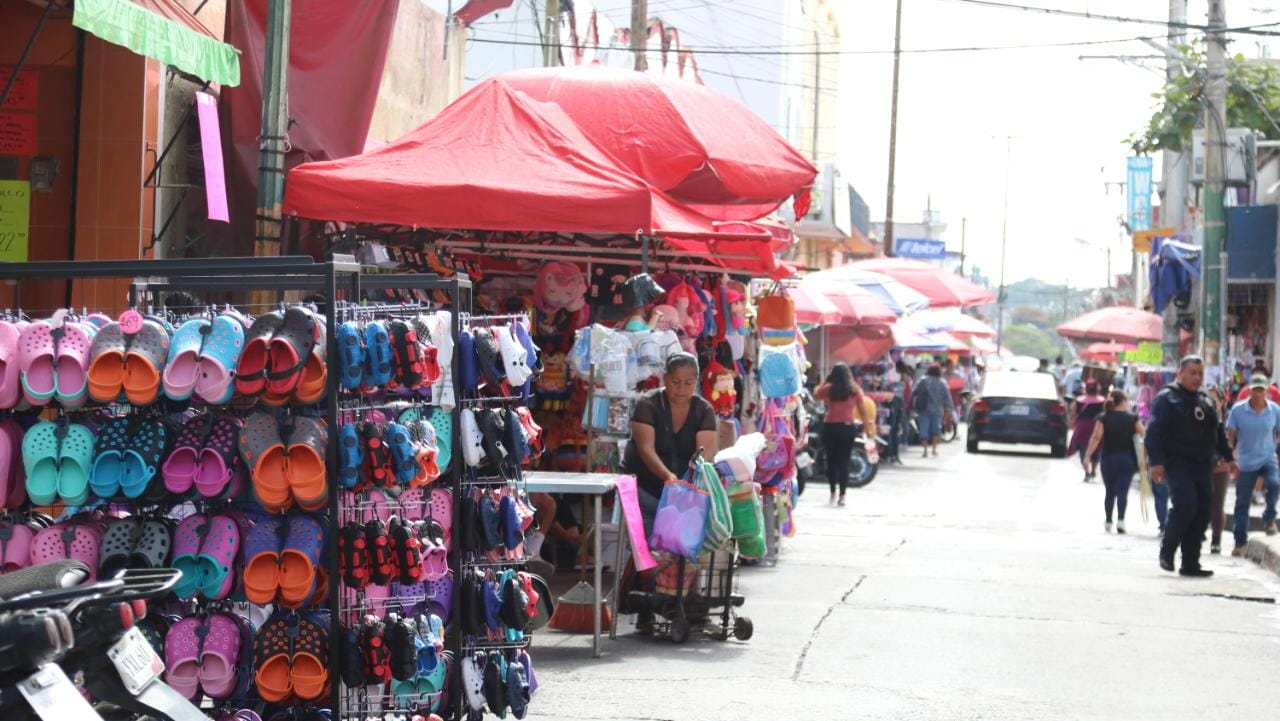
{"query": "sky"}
(1051, 122)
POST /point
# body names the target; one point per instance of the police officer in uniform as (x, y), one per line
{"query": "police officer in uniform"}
(1184, 440)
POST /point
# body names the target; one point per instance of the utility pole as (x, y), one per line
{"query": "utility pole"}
(640, 32)
(551, 44)
(1173, 201)
(893, 133)
(275, 128)
(1215, 144)
(964, 222)
(1004, 241)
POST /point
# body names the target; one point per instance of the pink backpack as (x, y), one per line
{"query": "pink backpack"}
(780, 445)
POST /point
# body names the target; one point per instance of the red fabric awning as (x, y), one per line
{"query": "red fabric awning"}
(745, 256)
(495, 159)
(706, 149)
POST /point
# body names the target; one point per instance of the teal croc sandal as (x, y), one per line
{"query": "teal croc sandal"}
(40, 459)
(75, 460)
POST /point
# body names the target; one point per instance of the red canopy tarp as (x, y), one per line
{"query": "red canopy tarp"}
(942, 288)
(706, 149)
(1120, 323)
(495, 159)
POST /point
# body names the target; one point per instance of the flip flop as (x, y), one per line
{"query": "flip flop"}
(219, 654)
(117, 544)
(252, 368)
(305, 471)
(218, 359)
(309, 671)
(10, 378)
(148, 442)
(262, 547)
(144, 357)
(219, 457)
(15, 546)
(71, 364)
(186, 555)
(271, 660)
(219, 547)
(289, 349)
(182, 365)
(378, 355)
(182, 465)
(300, 559)
(151, 548)
(350, 355)
(40, 448)
(37, 348)
(264, 456)
(182, 657)
(106, 363)
(351, 452)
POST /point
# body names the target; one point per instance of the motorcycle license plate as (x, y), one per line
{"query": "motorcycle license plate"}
(136, 661)
(1019, 410)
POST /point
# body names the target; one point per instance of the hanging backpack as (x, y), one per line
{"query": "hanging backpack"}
(776, 318)
(779, 377)
(780, 445)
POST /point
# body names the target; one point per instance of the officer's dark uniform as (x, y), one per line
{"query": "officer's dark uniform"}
(1185, 437)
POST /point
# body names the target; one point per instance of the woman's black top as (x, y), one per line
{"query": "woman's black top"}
(1118, 428)
(674, 446)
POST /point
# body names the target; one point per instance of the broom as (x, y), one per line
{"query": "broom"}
(573, 609)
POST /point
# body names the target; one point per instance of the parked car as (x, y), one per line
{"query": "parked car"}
(1018, 407)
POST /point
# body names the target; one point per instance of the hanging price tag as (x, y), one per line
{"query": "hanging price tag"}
(130, 322)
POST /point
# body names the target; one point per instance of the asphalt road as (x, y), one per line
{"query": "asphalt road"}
(963, 587)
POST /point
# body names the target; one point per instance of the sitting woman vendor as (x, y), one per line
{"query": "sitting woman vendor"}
(668, 427)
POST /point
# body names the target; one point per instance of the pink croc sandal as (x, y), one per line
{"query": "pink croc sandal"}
(10, 383)
(68, 541)
(219, 653)
(15, 546)
(36, 349)
(182, 466)
(182, 657)
(72, 364)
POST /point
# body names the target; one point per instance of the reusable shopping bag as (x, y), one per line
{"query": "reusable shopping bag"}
(680, 525)
(747, 511)
(776, 319)
(719, 517)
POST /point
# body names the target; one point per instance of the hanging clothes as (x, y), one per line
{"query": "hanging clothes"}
(1174, 265)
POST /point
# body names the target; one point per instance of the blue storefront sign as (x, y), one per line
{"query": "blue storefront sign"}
(921, 248)
(1139, 193)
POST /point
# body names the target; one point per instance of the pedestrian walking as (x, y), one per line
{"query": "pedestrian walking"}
(1252, 428)
(931, 401)
(843, 399)
(1113, 439)
(1221, 477)
(1084, 415)
(1181, 441)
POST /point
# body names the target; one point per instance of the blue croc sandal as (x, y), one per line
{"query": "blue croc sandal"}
(352, 455)
(377, 345)
(147, 445)
(490, 524)
(512, 534)
(108, 463)
(350, 356)
(404, 460)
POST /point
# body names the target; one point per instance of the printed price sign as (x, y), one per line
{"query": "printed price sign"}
(25, 94)
(18, 134)
(15, 219)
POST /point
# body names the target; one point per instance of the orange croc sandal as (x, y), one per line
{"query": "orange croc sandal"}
(310, 668)
(144, 360)
(307, 476)
(262, 550)
(263, 453)
(299, 560)
(106, 364)
(271, 656)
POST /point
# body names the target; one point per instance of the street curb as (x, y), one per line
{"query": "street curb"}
(1264, 553)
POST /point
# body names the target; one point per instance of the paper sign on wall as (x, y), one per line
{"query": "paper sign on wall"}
(215, 181)
(15, 219)
(18, 134)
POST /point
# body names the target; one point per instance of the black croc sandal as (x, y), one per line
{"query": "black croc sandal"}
(406, 551)
(354, 560)
(382, 562)
(400, 634)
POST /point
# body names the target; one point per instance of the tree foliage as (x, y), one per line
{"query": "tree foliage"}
(1026, 339)
(1253, 102)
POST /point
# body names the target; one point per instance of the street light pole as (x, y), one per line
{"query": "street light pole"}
(1004, 241)
(893, 133)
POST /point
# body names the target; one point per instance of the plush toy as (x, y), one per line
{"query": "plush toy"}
(718, 388)
(560, 294)
(664, 317)
(690, 307)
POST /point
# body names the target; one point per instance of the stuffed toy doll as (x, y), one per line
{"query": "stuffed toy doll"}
(718, 389)
(560, 294)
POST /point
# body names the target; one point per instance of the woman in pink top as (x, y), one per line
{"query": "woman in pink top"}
(843, 399)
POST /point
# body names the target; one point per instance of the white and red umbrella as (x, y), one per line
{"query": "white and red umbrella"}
(942, 288)
(1119, 323)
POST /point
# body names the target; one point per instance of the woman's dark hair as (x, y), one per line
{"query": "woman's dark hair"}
(935, 370)
(1114, 399)
(680, 359)
(841, 381)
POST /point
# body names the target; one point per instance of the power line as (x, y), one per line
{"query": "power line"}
(1244, 30)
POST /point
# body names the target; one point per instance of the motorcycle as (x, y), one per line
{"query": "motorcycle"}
(55, 628)
(864, 458)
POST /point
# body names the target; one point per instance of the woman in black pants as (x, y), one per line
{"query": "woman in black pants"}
(842, 397)
(1114, 434)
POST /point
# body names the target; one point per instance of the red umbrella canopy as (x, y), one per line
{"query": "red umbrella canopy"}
(813, 308)
(706, 149)
(942, 288)
(495, 159)
(1120, 323)
(857, 305)
(856, 346)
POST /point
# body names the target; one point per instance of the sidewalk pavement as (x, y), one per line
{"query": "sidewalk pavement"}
(1263, 550)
